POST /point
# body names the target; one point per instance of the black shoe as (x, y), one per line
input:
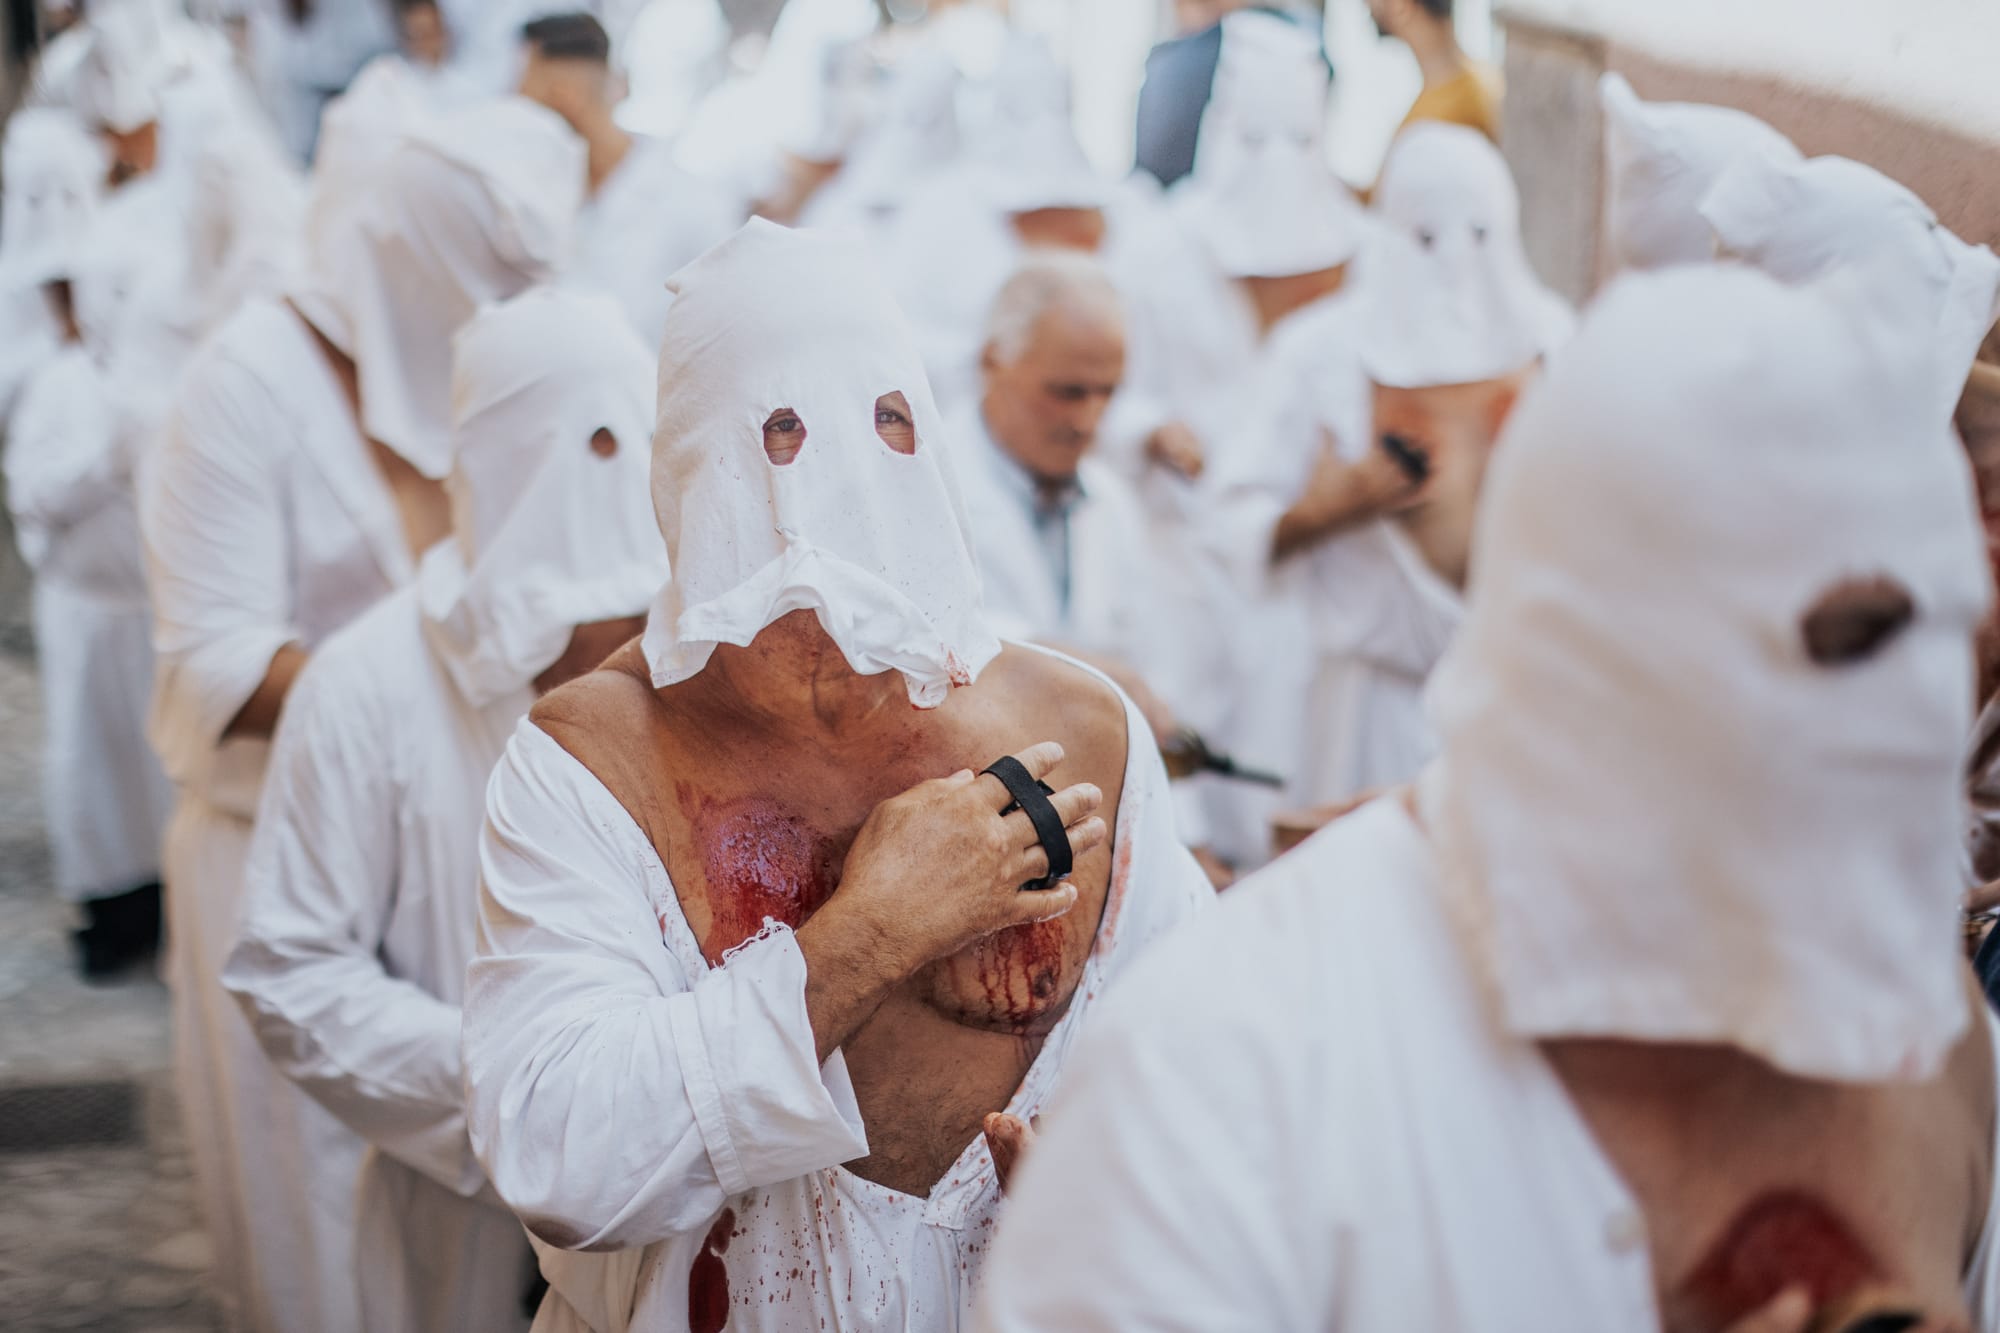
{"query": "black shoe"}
(121, 932)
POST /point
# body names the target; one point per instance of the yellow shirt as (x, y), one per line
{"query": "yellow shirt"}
(1472, 97)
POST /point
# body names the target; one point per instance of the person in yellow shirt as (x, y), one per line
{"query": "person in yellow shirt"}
(1457, 88)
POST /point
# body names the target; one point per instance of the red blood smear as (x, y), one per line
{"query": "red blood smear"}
(1782, 1239)
(708, 1280)
(1020, 969)
(760, 860)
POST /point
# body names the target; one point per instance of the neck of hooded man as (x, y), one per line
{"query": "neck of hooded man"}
(793, 681)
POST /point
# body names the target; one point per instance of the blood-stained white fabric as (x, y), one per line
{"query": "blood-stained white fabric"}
(360, 901)
(472, 205)
(265, 522)
(1798, 220)
(1823, 794)
(1661, 158)
(872, 540)
(648, 219)
(624, 1094)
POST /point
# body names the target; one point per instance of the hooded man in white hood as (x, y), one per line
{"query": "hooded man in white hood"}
(80, 429)
(759, 952)
(1647, 1009)
(1346, 508)
(360, 899)
(299, 482)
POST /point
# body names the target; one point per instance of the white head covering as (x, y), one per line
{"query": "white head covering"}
(473, 206)
(1027, 156)
(870, 539)
(548, 533)
(1262, 196)
(1798, 220)
(1661, 817)
(914, 136)
(1661, 158)
(1449, 295)
(55, 170)
(137, 49)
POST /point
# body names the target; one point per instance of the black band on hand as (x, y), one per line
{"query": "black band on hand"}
(1032, 798)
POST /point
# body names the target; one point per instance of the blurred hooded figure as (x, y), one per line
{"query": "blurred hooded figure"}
(1345, 512)
(1646, 1008)
(643, 216)
(360, 894)
(81, 426)
(55, 171)
(299, 482)
(1661, 160)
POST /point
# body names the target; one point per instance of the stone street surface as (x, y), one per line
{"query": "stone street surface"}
(102, 1237)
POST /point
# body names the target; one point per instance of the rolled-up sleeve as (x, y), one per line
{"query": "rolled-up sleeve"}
(614, 1099)
(213, 518)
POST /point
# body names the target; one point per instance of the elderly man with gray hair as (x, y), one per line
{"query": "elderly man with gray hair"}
(1064, 550)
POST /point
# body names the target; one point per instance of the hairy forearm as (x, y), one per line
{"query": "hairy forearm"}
(259, 715)
(851, 965)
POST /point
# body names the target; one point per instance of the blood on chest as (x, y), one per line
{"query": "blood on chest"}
(759, 861)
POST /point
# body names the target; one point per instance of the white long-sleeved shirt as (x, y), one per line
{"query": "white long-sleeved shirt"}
(624, 1095)
(1307, 1116)
(266, 522)
(359, 910)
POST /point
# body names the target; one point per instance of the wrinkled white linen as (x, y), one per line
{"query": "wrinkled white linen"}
(472, 205)
(649, 218)
(359, 906)
(1661, 158)
(1462, 1191)
(1685, 645)
(869, 539)
(265, 522)
(1798, 220)
(623, 1093)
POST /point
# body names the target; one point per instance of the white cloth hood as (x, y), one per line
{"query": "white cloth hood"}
(55, 171)
(1449, 295)
(548, 531)
(1661, 158)
(1798, 220)
(126, 67)
(1663, 813)
(472, 206)
(1027, 155)
(870, 539)
(915, 136)
(1263, 197)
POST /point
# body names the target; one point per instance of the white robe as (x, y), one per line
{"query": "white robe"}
(1339, 639)
(1305, 1116)
(69, 487)
(358, 916)
(623, 1094)
(265, 522)
(648, 219)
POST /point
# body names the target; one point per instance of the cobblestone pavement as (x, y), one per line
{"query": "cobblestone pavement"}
(94, 1237)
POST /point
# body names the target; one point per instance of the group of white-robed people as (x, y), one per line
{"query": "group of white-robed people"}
(762, 973)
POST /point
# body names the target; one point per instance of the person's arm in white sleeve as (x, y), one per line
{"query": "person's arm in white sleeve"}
(1171, 1185)
(379, 1052)
(613, 1100)
(214, 523)
(63, 460)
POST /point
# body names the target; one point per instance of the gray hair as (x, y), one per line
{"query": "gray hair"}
(1047, 280)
